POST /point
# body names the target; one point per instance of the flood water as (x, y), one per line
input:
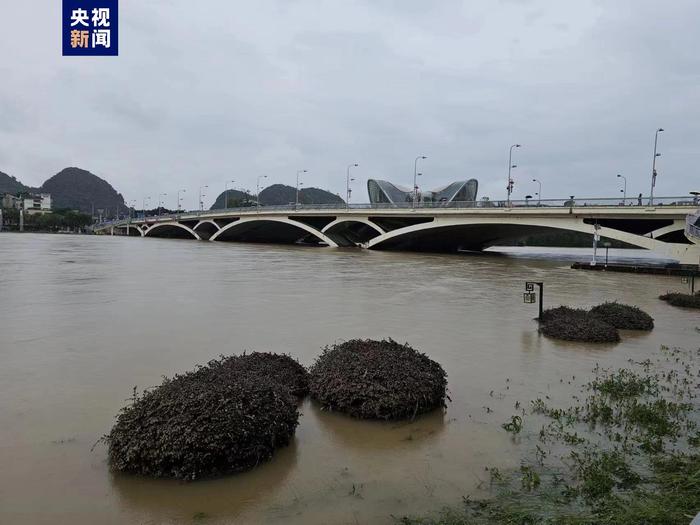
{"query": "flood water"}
(85, 319)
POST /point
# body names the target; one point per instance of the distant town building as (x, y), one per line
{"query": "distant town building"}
(37, 204)
(10, 201)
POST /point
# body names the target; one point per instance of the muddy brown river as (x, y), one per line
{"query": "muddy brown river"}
(85, 319)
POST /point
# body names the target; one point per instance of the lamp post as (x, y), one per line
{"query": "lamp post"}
(257, 193)
(653, 166)
(509, 187)
(179, 200)
(347, 184)
(201, 194)
(624, 189)
(144, 206)
(161, 201)
(415, 178)
(296, 200)
(539, 192)
(132, 207)
(226, 192)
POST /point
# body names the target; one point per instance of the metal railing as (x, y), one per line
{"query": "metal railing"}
(615, 202)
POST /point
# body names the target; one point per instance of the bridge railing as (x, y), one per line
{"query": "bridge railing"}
(638, 202)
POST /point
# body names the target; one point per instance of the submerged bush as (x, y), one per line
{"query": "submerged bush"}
(213, 421)
(281, 368)
(377, 380)
(572, 324)
(682, 299)
(623, 316)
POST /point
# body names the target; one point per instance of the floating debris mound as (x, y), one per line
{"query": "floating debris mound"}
(209, 422)
(682, 299)
(281, 368)
(623, 316)
(371, 379)
(574, 324)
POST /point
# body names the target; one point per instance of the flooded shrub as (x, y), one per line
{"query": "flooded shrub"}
(682, 299)
(209, 422)
(623, 316)
(371, 379)
(572, 324)
(281, 368)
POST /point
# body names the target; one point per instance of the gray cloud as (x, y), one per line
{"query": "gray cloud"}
(205, 93)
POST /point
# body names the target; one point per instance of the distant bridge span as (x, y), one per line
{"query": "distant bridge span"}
(662, 228)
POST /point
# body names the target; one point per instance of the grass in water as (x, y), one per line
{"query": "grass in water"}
(623, 452)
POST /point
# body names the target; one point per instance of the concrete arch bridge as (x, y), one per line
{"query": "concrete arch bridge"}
(661, 228)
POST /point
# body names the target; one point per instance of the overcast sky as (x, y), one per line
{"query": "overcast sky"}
(205, 92)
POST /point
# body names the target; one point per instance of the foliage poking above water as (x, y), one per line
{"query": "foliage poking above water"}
(225, 417)
(572, 324)
(682, 299)
(623, 316)
(625, 452)
(377, 380)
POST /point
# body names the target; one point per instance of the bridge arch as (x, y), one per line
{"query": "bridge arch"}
(478, 233)
(206, 228)
(171, 230)
(269, 229)
(352, 231)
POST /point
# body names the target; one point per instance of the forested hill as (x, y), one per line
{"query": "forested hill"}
(280, 194)
(235, 199)
(78, 189)
(11, 185)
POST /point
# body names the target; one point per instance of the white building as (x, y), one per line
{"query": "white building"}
(38, 204)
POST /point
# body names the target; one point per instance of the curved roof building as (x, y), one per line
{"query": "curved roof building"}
(382, 191)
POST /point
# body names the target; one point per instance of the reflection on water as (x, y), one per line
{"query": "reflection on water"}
(85, 319)
(394, 435)
(215, 498)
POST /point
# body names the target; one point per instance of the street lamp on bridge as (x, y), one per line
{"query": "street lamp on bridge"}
(624, 188)
(257, 193)
(539, 191)
(144, 206)
(226, 192)
(161, 201)
(509, 187)
(296, 200)
(179, 199)
(347, 184)
(201, 194)
(415, 178)
(653, 166)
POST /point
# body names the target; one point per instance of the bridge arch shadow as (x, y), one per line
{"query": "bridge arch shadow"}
(351, 232)
(171, 230)
(272, 230)
(205, 229)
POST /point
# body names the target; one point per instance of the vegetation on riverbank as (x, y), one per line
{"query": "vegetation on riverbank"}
(58, 220)
(377, 380)
(225, 417)
(682, 299)
(622, 451)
